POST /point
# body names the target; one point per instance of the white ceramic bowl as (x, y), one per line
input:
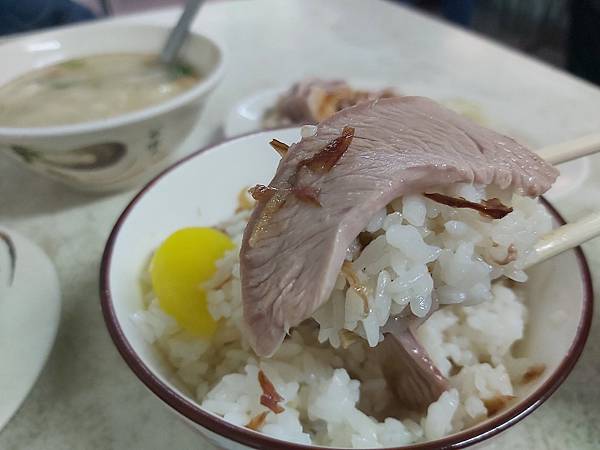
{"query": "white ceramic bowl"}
(202, 190)
(120, 151)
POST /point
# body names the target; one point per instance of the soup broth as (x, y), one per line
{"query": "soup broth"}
(91, 88)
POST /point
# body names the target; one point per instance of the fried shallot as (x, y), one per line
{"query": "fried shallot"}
(257, 422)
(280, 147)
(269, 398)
(492, 208)
(324, 160)
(355, 284)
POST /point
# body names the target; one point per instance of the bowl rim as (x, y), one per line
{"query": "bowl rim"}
(193, 412)
(203, 86)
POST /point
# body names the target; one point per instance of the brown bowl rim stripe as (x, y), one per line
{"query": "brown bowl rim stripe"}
(193, 412)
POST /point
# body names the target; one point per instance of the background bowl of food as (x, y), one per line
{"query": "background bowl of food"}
(515, 350)
(91, 106)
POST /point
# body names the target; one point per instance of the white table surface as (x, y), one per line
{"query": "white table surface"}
(87, 398)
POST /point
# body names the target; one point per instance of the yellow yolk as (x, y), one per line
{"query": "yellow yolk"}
(181, 264)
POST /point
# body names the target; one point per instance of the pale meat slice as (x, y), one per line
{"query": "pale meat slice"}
(409, 371)
(293, 250)
(313, 99)
(302, 103)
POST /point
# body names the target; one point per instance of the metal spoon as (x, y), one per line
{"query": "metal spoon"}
(178, 34)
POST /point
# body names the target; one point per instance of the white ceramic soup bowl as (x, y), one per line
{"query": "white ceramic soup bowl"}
(122, 150)
(202, 190)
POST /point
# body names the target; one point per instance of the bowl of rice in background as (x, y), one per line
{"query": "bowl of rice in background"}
(516, 349)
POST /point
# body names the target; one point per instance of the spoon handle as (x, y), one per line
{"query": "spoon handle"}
(180, 32)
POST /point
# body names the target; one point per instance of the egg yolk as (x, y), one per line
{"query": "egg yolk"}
(179, 266)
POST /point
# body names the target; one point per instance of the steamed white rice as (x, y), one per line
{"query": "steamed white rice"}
(423, 254)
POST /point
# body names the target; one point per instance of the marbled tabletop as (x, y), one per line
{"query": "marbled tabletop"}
(87, 398)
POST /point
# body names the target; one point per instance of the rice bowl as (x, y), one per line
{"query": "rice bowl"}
(222, 373)
(118, 314)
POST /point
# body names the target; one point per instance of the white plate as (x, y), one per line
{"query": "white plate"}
(246, 116)
(29, 316)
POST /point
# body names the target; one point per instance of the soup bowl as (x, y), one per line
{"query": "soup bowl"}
(202, 190)
(122, 150)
